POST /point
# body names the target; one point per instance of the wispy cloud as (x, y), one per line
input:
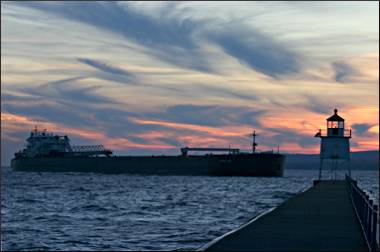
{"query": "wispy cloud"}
(119, 18)
(66, 90)
(283, 136)
(62, 101)
(343, 72)
(322, 104)
(102, 66)
(15, 123)
(109, 72)
(212, 115)
(168, 40)
(179, 41)
(361, 129)
(258, 51)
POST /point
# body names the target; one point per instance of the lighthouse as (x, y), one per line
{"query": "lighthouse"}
(335, 143)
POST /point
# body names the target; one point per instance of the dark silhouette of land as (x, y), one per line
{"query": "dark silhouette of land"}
(363, 160)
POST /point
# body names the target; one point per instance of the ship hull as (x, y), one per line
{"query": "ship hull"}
(214, 165)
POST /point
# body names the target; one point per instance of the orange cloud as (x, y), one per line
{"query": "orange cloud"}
(306, 125)
(17, 123)
(219, 131)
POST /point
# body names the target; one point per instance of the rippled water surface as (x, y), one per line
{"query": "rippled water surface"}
(84, 211)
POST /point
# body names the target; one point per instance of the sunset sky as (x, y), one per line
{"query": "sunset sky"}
(151, 77)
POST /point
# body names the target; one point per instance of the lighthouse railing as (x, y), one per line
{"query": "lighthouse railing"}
(366, 211)
(324, 133)
(347, 133)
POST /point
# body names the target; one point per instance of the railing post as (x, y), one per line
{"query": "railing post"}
(355, 197)
(366, 212)
(361, 208)
(370, 216)
(374, 228)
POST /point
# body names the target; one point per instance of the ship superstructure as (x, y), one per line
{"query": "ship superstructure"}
(47, 144)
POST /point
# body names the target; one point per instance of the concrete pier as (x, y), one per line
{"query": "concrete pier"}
(320, 219)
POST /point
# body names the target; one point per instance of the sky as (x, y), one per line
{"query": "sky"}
(151, 77)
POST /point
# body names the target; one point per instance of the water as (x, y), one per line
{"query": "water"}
(84, 211)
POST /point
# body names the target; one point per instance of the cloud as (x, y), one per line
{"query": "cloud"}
(211, 115)
(67, 90)
(361, 129)
(258, 51)
(64, 101)
(52, 104)
(105, 67)
(169, 40)
(110, 73)
(15, 124)
(119, 18)
(221, 91)
(321, 105)
(180, 41)
(343, 72)
(49, 112)
(92, 113)
(53, 101)
(286, 136)
(171, 141)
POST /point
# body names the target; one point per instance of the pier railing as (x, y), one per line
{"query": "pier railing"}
(366, 211)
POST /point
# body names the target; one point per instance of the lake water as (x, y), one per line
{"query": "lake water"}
(85, 211)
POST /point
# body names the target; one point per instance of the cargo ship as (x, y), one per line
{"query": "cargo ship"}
(47, 152)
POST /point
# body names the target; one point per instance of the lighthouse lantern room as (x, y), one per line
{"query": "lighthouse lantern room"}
(335, 145)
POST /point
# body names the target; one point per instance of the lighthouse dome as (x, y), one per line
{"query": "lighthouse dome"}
(335, 117)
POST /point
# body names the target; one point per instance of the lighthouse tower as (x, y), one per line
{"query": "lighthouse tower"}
(335, 142)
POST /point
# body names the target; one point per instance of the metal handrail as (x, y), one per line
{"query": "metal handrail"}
(366, 211)
(86, 148)
(324, 133)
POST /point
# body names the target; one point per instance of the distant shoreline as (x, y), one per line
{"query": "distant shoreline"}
(361, 160)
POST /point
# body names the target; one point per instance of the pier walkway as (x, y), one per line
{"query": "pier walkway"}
(320, 219)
